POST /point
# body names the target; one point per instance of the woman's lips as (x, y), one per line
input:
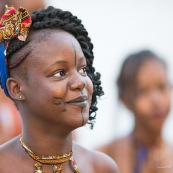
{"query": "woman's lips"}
(80, 101)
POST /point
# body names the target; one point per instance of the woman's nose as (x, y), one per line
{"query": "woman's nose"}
(77, 82)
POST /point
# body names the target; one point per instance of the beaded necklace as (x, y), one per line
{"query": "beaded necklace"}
(55, 161)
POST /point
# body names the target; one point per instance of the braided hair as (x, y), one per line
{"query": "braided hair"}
(53, 18)
(130, 67)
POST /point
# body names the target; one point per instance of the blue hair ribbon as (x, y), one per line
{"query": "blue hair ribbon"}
(3, 69)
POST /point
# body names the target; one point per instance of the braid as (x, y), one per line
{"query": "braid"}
(16, 45)
(53, 18)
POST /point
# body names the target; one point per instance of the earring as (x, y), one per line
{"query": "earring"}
(20, 96)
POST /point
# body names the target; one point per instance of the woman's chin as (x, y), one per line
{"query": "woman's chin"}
(81, 120)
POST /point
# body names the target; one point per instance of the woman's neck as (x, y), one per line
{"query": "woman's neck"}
(47, 141)
(145, 137)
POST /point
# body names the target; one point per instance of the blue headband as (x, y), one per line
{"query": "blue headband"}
(3, 69)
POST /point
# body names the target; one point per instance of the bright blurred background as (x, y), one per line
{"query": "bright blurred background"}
(117, 28)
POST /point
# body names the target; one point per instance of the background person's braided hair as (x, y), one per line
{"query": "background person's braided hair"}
(52, 18)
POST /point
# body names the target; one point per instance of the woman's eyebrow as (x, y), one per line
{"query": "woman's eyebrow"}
(59, 62)
(82, 58)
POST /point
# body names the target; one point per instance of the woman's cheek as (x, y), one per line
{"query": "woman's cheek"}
(60, 89)
(89, 86)
(141, 107)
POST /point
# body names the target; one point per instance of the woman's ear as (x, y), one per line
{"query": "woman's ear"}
(14, 89)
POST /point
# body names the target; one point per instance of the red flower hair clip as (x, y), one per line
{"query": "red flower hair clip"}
(15, 23)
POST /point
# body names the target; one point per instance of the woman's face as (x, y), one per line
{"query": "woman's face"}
(152, 101)
(57, 89)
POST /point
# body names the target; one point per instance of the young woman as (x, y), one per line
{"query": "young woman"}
(145, 90)
(51, 80)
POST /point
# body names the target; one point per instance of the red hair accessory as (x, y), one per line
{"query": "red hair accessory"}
(15, 23)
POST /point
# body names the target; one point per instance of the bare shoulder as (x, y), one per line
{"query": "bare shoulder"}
(7, 156)
(114, 147)
(100, 162)
(8, 145)
(4, 149)
(103, 162)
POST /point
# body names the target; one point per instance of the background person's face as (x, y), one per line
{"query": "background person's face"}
(152, 101)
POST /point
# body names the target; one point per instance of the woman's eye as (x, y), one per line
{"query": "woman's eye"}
(59, 74)
(83, 71)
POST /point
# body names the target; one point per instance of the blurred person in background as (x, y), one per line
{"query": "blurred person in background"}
(10, 122)
(144, 88)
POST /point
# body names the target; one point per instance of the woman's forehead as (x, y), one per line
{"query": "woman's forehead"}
(59, 46)
(48, 34)
(54, 40)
